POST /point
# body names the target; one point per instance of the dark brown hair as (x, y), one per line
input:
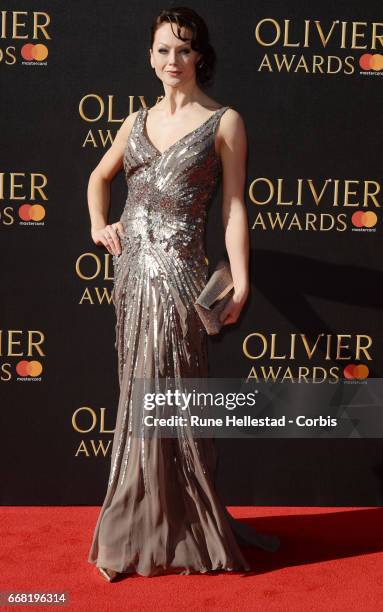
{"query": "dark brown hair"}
(183, 16)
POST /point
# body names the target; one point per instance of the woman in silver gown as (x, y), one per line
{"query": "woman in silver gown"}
(161, 513)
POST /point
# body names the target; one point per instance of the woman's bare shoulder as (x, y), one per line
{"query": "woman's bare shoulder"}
(231, 121)
(231, 118)
(231, 114)
(112, 160)
(127, 125)
(231, 134)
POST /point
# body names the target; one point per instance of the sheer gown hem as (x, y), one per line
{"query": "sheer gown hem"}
(170, 569)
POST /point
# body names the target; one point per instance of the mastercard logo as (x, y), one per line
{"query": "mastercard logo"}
(370, 61)
(31, 212)
(352, 372)
(364, 219)
(38, 52)
(29, 368)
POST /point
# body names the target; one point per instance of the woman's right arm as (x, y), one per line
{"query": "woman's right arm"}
(99, 190)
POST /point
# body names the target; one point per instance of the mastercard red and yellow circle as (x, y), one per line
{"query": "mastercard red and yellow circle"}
(31, 212)
(353, 371)
(369, 61)
(364, 219)
(38, 52)
(29, 368)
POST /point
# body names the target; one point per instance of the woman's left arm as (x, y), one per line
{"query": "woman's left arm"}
(232, 143)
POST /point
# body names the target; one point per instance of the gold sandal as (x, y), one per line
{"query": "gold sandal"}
(108, 574)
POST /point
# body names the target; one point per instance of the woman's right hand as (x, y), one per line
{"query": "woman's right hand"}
(109, 237)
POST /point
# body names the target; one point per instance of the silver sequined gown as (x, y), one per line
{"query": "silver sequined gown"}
(161, 513)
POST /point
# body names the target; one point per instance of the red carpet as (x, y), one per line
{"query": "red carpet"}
(330, 559)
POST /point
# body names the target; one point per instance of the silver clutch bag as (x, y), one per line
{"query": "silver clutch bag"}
(214, 297)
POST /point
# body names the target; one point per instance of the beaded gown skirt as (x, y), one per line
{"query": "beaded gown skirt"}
(161, 513)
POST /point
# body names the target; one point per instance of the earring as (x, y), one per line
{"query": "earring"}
(200, 64)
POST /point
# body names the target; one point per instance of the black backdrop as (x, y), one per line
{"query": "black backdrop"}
(58, 117)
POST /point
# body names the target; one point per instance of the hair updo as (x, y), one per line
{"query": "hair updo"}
(185, 17)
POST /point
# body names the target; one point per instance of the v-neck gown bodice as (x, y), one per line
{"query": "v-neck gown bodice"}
(161, 512)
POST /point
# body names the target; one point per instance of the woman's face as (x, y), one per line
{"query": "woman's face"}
(173, 59)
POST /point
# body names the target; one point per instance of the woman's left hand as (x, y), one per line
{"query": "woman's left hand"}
(232, 310)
